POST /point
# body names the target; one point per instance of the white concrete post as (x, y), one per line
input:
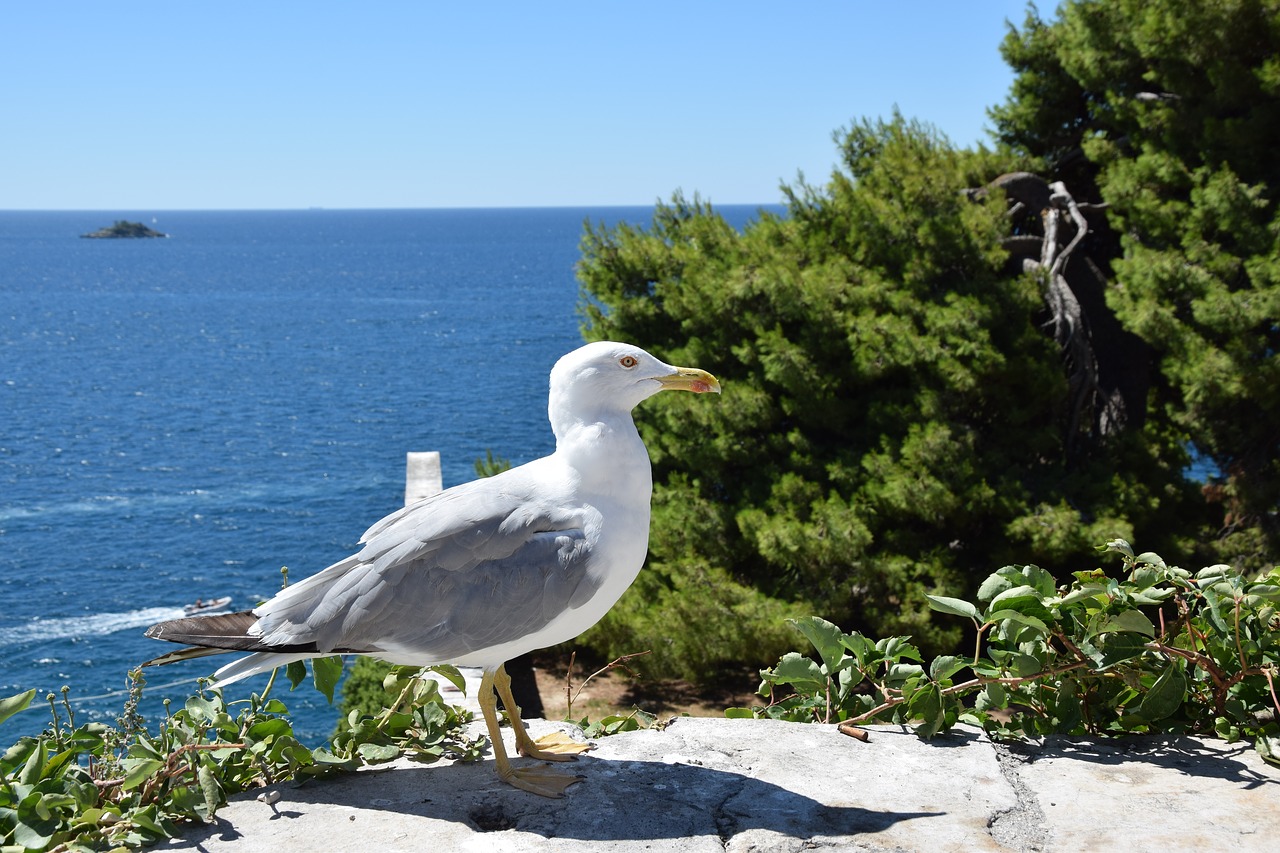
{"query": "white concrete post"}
(421, 476)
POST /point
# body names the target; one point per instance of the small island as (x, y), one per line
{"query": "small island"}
(123, 228)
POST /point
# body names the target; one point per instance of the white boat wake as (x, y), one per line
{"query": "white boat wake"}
(91, 625)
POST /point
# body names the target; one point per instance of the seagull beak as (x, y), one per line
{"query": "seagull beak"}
(690, 379)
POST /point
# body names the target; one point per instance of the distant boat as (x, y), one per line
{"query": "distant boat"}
(206, 606)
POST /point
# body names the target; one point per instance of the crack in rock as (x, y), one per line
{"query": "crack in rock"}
(1022, 827)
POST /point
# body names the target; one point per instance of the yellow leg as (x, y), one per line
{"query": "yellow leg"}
(536, 780)
(552, 747)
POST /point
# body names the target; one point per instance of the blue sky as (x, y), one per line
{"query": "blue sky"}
(182, 105)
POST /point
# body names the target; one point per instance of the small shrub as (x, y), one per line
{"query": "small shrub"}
(98, 786)
(1156, 650)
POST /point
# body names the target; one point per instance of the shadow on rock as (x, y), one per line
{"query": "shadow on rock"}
(1184, 754)
(618, 800)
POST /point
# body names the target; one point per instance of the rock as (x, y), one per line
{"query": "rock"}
(123, 229)
(759, 785)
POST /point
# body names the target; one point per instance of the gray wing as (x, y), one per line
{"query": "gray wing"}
(479, 565)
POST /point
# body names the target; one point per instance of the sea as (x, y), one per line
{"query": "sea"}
(181, 418)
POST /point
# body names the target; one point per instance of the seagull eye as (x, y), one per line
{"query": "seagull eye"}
(628, 361)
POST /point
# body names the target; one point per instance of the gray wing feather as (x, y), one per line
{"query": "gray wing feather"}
(476, 566)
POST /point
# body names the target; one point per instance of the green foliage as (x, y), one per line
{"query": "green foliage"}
(490, 465)
(1155, 650)
(892, 416)
(616, 724)
(97, 786)
(1169, 111)
(896, 416)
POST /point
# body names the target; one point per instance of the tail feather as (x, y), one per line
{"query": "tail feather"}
(254, 664)
(189, 653)
(226, 631)
(230, 632)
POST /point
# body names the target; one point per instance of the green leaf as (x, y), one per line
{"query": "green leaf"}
(1268, 746)
(901, 672)
(1152, 559)
(1148, 597)
(945, 666)
(897, 648)
(148, 819)
(926, 706)
(954, 606)
(1119, 545)
(1019, 617)
(1040, 580)
(375, 753)
(209, 788)
(1119, 647)
(13, 704)
(993, 696)
(139, 770)
(266, 729)
(1128, 620)
(201, 709)
(325, 674)
(36, 826)
(1083, 592)
(1024, 599)
(450, 674)
(739, 713)
(825, 637)
(858, 644)
(1166, 695)
(296, 672)
(30, 774)
(993, 586)
(796, 669)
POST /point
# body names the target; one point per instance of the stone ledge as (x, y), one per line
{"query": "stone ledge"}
(759, 785)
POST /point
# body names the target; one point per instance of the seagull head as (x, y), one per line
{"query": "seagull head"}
(609, 377)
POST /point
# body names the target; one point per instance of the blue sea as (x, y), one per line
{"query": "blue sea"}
(181, 418)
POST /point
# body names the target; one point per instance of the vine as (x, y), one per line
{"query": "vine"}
(1155, 650)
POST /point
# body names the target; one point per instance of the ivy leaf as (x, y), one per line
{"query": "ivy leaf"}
(993, 586)
(954, 606)
(296, 672)
(1040, 580)
(1165, 696)
(209, 788)
(945, 666)
(375, 753)
(201, 709)
(35, 824)
(1129, 620)
(325, 674)
(796, 669)
(926, 706)
(450, 673)
(825, 638)
(13, 704)
(1020, 618)
(139, 770)
(1119, 545)
(1024, 599)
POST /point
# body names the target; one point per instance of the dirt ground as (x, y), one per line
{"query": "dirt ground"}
(619, 690)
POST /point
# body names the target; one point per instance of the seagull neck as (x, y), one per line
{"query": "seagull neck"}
(586, 443)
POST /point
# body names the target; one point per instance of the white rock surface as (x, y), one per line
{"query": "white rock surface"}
(755, 785)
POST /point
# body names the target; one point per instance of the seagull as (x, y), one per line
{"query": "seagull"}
(487, 570)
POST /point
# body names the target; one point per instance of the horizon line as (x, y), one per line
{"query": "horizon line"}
(322, 208)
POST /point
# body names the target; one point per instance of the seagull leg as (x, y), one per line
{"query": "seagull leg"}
(551, 747)
(535, 780)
